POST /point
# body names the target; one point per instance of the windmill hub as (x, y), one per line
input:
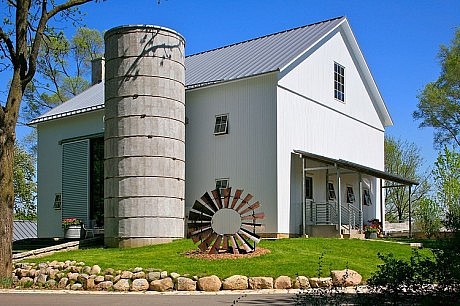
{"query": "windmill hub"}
(226, 222)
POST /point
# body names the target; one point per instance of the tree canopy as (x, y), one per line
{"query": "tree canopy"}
(439, 101)
(26, 26)
(403, 158)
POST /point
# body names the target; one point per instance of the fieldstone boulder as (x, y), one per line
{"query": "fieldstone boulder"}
(109, 277)
(301, 282)
(174, 275)
(126, 275)
(185, 284)
(105, 285)
(261, 282)
(89, 284)
(321, 282)
(121, 285)
(283, 282)
(209, 283)
(140, 284)
(100, 279)
(151, 276)
(163, 274)
(235, 282)
(51, 284)
(345, 278)
(162, 285)
(95, 270)
(76, 287)
(139, 274)
(72, 276)
(26, 282)
(41, 279)
(63, 282)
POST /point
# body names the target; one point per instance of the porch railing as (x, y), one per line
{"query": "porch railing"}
(327, 213)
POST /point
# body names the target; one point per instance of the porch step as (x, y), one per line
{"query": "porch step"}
(353, 234)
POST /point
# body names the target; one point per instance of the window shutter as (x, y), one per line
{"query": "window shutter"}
(75, 180)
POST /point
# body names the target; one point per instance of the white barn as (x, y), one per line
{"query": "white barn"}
(295, 118)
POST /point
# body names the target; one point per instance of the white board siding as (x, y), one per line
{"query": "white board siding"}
(49, 167)
(314, 79)
(310, 119)
(75, 180)
(247, 154)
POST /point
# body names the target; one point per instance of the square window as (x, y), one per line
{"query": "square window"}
(221, 126)
(221, 184)
(339, 82)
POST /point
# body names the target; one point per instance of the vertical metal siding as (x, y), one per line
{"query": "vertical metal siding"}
(75, 180)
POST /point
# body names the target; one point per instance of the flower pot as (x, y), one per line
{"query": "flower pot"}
(372, 236)
(73, 232)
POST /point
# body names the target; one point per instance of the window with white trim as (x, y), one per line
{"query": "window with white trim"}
(221, 126)
(221, 184)
(331, 191)
(367, 197)
(350, 195)
(339, 82)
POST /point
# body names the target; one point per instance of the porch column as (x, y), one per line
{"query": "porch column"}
(360, 202)
(339, 200)
(410, 212)
(303, 198)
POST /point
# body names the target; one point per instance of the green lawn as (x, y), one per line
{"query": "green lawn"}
(287, 257)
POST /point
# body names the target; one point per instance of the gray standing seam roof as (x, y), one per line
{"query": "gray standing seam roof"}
(248, 58)
(24, 229)
(256, 56)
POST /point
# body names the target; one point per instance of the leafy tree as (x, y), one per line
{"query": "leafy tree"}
(447, 182)
(428, 217)
(25, 187)
(25, 26)
(404, 159)
(63, 69)
(439, 102)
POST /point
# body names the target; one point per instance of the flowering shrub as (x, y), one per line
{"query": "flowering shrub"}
(373, 226)
(70, 221)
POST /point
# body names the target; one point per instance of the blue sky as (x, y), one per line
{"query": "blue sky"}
(399, 39)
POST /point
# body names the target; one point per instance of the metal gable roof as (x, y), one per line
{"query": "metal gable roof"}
(274, 52)
(255, 56)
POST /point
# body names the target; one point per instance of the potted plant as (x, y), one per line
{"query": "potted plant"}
(373, 229)
(72, 228)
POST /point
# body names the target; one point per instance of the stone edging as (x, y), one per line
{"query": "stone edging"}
(71, 275)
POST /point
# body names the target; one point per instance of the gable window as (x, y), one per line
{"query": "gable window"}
(221, 126)
(331, 191)
(350, 195)
(339, 82)
(221, 184)
(367, 197)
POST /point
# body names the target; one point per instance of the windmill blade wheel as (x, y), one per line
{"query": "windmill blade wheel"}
(224, 222)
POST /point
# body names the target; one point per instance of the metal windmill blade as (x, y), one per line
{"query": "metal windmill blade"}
(224, 223)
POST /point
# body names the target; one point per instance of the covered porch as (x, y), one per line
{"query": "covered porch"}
(339, 197)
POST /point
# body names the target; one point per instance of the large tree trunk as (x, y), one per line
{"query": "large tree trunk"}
(8, 118)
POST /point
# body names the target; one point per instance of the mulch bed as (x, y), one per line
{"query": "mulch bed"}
(225, 255)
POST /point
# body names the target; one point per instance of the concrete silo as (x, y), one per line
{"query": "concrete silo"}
(144, 199)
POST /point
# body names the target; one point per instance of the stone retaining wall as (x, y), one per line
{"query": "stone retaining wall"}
(71, 275)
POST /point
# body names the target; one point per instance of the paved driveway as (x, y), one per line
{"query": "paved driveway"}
(50, 298)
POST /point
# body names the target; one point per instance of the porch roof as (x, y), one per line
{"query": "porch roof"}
(358, 168)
